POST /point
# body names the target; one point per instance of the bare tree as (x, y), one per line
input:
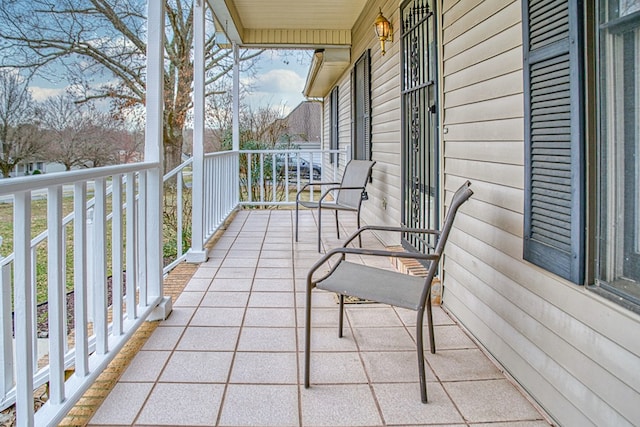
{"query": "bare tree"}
(102, 44)
(18, 132)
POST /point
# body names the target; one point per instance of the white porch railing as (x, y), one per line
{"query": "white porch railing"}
(108, 307)
(77, 256)
(273, 177)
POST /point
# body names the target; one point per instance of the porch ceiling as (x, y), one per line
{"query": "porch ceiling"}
(285, 23)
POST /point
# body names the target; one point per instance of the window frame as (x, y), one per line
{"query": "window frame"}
(334, 109)
(361, 148)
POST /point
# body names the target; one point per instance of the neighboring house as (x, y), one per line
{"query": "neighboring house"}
(538, 104)
(304, 123)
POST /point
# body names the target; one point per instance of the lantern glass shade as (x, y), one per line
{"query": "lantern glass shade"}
(384, 30)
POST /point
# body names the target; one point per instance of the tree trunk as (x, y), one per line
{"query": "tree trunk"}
(172, 150)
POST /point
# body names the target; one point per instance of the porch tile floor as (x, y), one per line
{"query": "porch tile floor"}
(231, 352)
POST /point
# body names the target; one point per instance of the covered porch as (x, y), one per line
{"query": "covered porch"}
(230, 353)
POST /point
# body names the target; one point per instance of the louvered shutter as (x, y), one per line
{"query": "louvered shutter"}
(554, 148)
(361, 77)
(333, 136)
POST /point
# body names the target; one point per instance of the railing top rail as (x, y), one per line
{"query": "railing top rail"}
(292, 150)
(28, 183)
(178, 168)
(220, 153)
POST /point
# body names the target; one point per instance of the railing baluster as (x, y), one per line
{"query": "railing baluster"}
(131, 245)
(116, 253)
(6, 328)
(179, 209)
(56, 295)
(80, 278)
(100, 267)
(142, 237)
(23, 300)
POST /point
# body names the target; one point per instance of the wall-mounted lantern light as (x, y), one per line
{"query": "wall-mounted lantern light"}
(384, 30)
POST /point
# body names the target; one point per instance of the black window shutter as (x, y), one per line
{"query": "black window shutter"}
(554, 218)
(361, 87)
(333, 136)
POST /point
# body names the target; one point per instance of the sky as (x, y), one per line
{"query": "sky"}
(279, 80)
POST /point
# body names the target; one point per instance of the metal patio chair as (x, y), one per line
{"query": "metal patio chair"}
(347, 278)
(345, 196)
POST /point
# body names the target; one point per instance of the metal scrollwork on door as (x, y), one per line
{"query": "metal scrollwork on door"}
(419, 121)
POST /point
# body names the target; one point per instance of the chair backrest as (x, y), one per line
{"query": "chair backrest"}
(461, 195)
(356, 174)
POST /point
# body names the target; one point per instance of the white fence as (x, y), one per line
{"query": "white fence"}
(77, 256)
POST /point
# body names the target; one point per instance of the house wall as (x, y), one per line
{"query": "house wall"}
(577, 354)
(383, 206)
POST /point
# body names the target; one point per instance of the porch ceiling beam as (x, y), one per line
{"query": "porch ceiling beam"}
(228, 18)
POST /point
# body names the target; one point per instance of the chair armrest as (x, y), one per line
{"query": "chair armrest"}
(304, 187)
(330, 189)
(343, 251)
(390, 228)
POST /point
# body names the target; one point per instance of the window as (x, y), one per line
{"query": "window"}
(333, 118)
(618, 150)
(554, 219)
(360, 81)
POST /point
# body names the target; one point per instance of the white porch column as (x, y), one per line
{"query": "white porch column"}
(197, 253)
(235, 130)
(153, 152)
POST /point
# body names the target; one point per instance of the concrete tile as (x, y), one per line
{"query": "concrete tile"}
(198, 284)
(204, 272)
(335, 368)
(270, 317)
(218, 316)
(235, 273)
(179, 316)
(394, 367)
(272, 285)
(164, 338)
(225, 299)
(275, 263)
(231, 285)
(490, 401)
(213, 261)
(401, 404)
(318, 299)
(363, 315)
(198, 404)
(271, 299)
(145, 366)
(540, 423)
(243, 253)
(274, 273)
(208, 339)
(197, 367)
(343, 405)
(461, 365)
(239, 262)
(189, 299)
(326, 339)
(122, 405)
(377, 339)
(267, 339)
(281, 254)
(264, 368)
(320, 317)
(260, 405)
(451, 337)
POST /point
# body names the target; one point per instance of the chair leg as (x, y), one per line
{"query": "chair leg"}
(341, 316)
(307, 338)
(359, 235)
(337, 226)
(420, 348)
(432, 338)
(296, 221)
(319, 227)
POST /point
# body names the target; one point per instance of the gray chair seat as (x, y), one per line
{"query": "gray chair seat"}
(374, 284)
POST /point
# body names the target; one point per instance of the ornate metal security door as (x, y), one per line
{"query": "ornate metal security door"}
(419, 120)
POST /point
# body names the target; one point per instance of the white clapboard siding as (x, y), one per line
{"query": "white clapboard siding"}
(576, 353)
